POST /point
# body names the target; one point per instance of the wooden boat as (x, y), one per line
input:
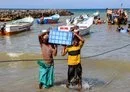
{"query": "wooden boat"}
(17, 26)
(49, 20)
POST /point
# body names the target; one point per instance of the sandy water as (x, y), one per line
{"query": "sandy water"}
(105, 61)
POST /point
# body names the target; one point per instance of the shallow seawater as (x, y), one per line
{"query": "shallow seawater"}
(105, 61)
(100, 74)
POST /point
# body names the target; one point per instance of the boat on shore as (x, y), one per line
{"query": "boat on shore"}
(49, 20)
(17, 26)
(84, 22)
(84, 26)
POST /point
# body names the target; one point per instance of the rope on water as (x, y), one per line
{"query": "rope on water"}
(16, 60)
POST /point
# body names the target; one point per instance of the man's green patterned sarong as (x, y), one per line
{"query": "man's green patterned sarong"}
(46, 74)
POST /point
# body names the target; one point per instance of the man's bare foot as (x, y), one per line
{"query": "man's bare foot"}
(80, 85)
(67, 85)
(40, 86)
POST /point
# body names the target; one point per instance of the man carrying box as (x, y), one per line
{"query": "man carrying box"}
(46, 66)
(74, 62)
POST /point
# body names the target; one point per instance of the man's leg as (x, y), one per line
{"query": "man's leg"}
(79, 74)
(71, 73)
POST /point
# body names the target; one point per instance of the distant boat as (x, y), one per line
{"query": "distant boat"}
(49, 20)
(17, 26)
(96, 14)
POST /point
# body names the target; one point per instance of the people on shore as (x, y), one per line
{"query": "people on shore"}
(128, 29)
(109, 15)
(119, 28)
(98, 21)
(117, 16)
(122, 30)
(74, 62)
(46, 66)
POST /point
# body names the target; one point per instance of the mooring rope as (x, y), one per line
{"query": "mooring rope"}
(16, 60)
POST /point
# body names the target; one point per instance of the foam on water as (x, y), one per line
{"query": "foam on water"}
(11, 54)
(85, 86)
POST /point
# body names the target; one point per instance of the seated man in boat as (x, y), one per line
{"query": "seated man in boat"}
(72, 19)
(81, 17)
(42, 20)
(46, 66)
(3, 29)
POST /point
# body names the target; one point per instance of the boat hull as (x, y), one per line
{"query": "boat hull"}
(85, 31)
(17, 27)
(47, 21)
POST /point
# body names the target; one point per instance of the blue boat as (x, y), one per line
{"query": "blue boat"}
(49, 20)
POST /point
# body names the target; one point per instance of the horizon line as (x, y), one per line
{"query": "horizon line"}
(61, 8)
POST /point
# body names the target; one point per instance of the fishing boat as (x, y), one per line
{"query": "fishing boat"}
(84, 23)
(83, 17)
(49, 20)
(84, 26)
(17, 26)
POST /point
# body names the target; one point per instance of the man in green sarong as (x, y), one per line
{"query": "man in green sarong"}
(46, 66)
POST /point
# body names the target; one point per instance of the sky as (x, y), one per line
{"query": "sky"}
(64, 4)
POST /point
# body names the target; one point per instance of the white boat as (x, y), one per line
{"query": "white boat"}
(96, 14)
(75, 20)
(17, 26)
(84, 24)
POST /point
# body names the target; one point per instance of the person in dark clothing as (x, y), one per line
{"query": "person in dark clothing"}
(128, 29)
(74, 62)
(119, 28)
(3, 29)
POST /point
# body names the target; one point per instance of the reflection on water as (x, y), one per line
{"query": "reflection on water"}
(8, 41)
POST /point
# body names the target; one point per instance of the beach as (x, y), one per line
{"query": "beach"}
(105, 59)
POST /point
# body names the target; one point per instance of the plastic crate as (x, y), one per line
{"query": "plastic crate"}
(60, 37)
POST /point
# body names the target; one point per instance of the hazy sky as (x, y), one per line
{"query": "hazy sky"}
(64, 4)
